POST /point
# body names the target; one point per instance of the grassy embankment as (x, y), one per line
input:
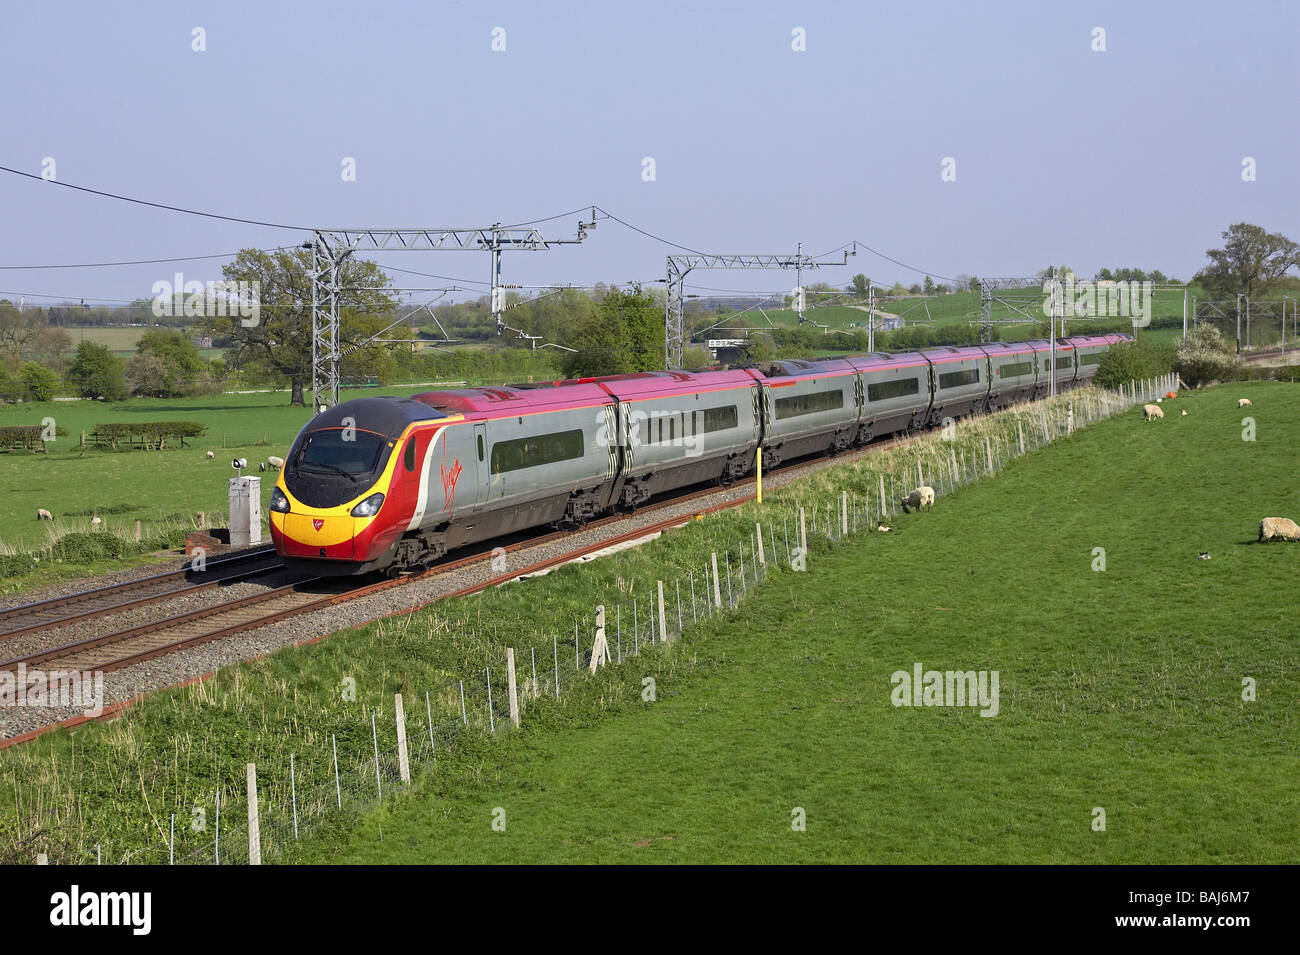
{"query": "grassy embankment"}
(1119, 688)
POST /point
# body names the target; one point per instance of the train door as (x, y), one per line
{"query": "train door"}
(482, 465)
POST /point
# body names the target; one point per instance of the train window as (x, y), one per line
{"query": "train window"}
(327, 450)
(661, 430)
(409, 460)
(645, 432)
(539, 449)
(955, 379)
(672, 429)
(1064, 363)
(897, 388)
(480, 447)
(1015, 369)
(720, 419)
(1092, 359)
(796, 405)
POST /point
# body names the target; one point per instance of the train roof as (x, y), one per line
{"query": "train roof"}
(388, 415)
(511, 398)
(804, 368)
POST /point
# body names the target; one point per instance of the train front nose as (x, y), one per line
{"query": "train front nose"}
(317, 536)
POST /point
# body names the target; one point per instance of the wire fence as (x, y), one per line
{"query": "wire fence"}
(368, 760)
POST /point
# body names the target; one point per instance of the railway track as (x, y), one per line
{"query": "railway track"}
(173, 634)
(100, 601)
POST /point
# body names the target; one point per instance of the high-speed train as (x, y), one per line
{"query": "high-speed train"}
(391, 483)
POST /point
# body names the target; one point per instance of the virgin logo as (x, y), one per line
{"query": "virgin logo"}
(317, 523)
(449, 479)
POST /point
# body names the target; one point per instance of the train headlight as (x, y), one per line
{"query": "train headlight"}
(279, 502)
(369, 507)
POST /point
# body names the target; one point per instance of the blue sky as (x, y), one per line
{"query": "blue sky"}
(1132, 156)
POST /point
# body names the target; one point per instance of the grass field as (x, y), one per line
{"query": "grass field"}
(957, 308)
(1120, 689)
(144, 485)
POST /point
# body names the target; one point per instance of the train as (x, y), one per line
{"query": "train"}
(391, 484)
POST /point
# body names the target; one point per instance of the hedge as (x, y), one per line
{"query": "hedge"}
(152, 435)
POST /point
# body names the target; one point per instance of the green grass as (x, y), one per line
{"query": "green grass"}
(956, 308)
(1120, 689)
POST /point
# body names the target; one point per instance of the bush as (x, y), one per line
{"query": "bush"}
(1205, 356)
(82, 548)
(1134, 361)
(153, 434)
(14, 564)
(39, 382)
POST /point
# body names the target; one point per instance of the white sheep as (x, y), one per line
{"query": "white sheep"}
(95, 522)
(1243, 403)
(920, 498)
(1281, 528)
(1184, 412)
(43, 515)
(1151, 412)
(882, 528)
(275, 462)
(211, 455)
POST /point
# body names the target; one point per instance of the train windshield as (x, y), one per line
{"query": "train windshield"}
(342, 449)
(332, 466)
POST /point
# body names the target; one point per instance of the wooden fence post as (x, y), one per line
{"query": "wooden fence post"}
(403, 759)
(663, 620)
(254, 829)
(511, 686)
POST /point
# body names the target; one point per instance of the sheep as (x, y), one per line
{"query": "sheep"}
(1281, 528)
(920, 498)
(275, 462)
(261, 465)
(211, 455)
(1184, 412)
(1243, 403)
(882, 528)
(43, 515)
(1151, 412)
(95, 522)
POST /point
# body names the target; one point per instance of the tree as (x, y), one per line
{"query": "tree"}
(97, 373)
(17, 328)
(149, 376)
(39, 382)
(1251, 262)
(179, 357)
(860, 285)
(625, 335)
(280, 340)
(51, 347)
(928, 287)
(1205, 356)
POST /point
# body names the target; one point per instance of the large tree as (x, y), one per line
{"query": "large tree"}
(626, 334)
(97, 373)
(1251, 262)
(280, 341)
